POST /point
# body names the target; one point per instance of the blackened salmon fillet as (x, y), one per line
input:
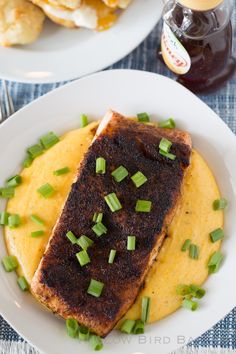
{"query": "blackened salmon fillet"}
(60, 282)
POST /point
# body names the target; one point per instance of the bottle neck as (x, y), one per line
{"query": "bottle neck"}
(200, 5)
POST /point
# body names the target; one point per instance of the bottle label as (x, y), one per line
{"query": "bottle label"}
(174, 54)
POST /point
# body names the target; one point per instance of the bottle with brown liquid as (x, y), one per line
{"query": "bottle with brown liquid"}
(197, 42)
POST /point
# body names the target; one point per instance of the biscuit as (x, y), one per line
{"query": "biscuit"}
(20, 22)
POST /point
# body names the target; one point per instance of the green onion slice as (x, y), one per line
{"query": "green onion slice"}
(95, 288)
(168, 155)
(139, 179)
(9, 263)
(127, 326)
(7, 192)
(83, 120)
(84, 242)
(95, 342)
(183, 290)
(143, 206)
(23, 284)
(49, 140)
(14, 181)
(143, 117)
(97, 217)
(100, 165)
(37, 233)
(35, 150)
(146, 302)
(217, 235)
(113, 202)
(189, 304)
(61, 171)
(193, 251)
(220, 204)
(120, 174)
(83, 333)
(37, 220)
(28, 161)
(186, 245)
(112, 256)
(197, 292)
(72, 327)
(14, 221)
(168, 124)
(73, 239)
(165, 145)
(131, 243)
(83, 258)
(139, 327)
(4, 218)
(99, 229)
(215, 262)
(46, 190)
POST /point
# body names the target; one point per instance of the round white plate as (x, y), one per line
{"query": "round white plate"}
(128, 92)
(65, 54)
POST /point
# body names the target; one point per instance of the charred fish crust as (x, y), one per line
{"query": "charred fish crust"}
(60, 277)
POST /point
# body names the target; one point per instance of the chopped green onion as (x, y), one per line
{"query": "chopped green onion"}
(97, 217)
(83, 333)
(14, 221)
(168, 155)
(217, 235)
(35, 150)
(120, 173)
(215, 262)
(49, 140)
(183, 290)
(197, 292)
(37, 220)
(28, 161)
(131, 243)
(9, 263)
(139, 179)
(72, 327)
(165, 145)
(143, 206)
(143, 117)
(146, 302)
(99, 229)
(61, 171)
(23, 284)
(112, 256)
(83, 258)
(4, 218)
(189, 304)
(37, 233)
(193, 251)
(139, 327)
(7, 192)
(95, 288)
(168, 124)
(127, 326)
(220, 204)
(186, 245)
(84, 242)
(100, 165)
(46, 190)
(95, 342)
(83, 120)
(113, 202)
(73, 239)
(14, 181)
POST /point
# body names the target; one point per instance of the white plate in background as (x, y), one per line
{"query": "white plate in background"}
(128, 92)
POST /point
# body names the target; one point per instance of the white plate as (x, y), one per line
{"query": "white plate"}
(64, 54)
(128, 92)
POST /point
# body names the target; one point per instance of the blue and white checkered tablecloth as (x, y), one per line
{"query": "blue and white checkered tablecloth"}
(222, 337)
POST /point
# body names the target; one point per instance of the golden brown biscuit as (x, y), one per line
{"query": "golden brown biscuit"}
(70, 4)
(20, 22)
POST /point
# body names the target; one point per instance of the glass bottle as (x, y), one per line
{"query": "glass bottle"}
(197, 42)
